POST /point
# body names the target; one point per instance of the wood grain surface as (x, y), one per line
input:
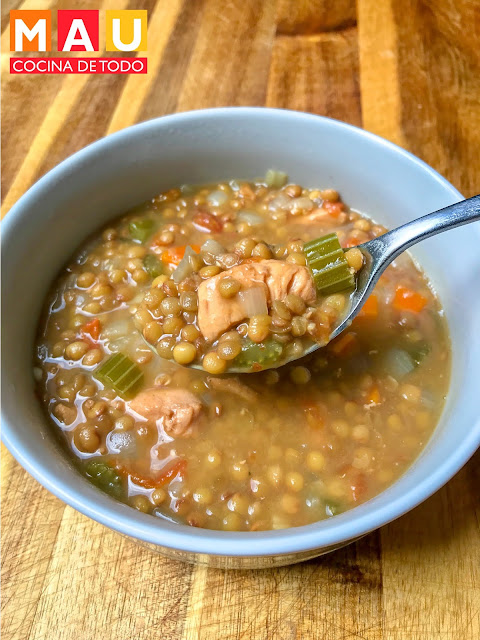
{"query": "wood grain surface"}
(408, 70)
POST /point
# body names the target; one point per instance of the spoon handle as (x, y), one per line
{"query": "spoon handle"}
(387, 247)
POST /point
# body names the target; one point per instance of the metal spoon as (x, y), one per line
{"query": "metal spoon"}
(381, 251)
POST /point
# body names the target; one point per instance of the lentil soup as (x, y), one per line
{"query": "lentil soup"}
(270, 449)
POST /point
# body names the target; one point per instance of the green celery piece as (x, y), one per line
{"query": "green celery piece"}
(121, 374)
(275, 179)
(141, 229)
(317, 261)
(324, 245)
(263, 353)
(326, 260)
(103, 476)
(152, 265)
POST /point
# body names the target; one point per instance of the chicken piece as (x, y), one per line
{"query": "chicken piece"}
(176, 409)
(233, 386)
(217, 314)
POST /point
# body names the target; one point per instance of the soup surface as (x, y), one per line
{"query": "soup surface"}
(265, 450)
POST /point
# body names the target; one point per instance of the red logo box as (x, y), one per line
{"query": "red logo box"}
(78, 30)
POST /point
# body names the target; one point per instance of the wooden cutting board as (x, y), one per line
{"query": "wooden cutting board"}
(407, 70)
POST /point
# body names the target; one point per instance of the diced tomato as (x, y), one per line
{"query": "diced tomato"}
(334, 208)
(207, 222)
(151, 482)
(315, 415)
(408, 300)
(91, 329)
(177, 468)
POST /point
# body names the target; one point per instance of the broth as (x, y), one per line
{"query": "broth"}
(264, 450)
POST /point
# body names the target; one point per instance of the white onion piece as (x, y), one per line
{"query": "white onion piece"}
(280, 202)
(398, 363)
(217, 198)
(254, 301)
(116, 329)
(304, 204)
(213, 247)
(429, 400)
(250, 217)
(120, 442)
(184, 267)
(114, 262)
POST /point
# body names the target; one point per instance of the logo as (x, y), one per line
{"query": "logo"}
(78, 31)
(30, 31)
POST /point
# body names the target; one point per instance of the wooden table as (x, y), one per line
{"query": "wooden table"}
(407, 70)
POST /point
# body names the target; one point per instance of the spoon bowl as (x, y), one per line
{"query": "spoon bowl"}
(378, 254)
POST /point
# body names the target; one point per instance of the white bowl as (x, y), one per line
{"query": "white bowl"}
(50, 222)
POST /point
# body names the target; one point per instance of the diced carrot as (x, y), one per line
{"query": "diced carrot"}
(91, 329)
(408, 300)
(369, 311)
(374, 396)
(207, 222)
(174, 255)
(344, 345)
(351, 242)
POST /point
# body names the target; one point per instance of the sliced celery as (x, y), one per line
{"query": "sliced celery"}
(275, 179)
(141, 229)
(263, 353)
(328, 265)
(105, 477)
(121, 374)
(152, 265)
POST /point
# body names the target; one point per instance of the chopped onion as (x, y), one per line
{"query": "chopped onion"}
(398, 363)
(184, 267)
(254, 301)
(114, 262)
(303, 203)
(217, 198)
(120, 442)
(280, 202)
(250, 217)
(429, 401)
(117, 329)
(213, 247)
